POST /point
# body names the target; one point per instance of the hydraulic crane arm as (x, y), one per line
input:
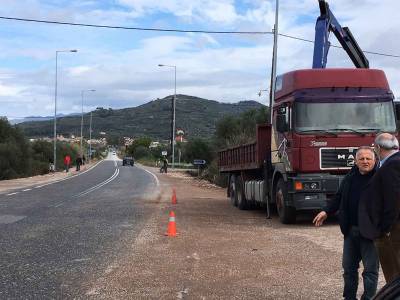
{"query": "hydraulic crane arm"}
(326, 23)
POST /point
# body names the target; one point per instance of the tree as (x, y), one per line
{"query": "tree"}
(140, 148)
(198, 149)
(14, 152)
(232, 131)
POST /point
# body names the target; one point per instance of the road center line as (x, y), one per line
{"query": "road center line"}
(26, 190)
(89, 190)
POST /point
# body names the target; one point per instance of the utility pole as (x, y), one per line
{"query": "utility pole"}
(173, 115)
(55, 109)
(274, 59)
(90, 137)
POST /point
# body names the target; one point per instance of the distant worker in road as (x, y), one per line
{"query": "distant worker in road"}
(78, 162)
(51, 165)
(356, 246)
(67, 162)
(382, 206)
(164, 166)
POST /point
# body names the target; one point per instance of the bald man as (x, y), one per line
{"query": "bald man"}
(356, 247)
(381, 203)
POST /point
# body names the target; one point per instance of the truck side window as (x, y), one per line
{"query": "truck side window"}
(283, 119)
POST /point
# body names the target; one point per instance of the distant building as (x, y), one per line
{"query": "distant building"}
(128, 141)
(154, 145)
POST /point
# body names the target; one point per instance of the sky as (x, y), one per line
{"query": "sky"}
(122, 65)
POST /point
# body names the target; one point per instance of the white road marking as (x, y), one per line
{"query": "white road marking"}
(89, 190)
(155, 177)
(58, 204)
(63, 179)
(81, 259)
(12, 194)
(27, 190)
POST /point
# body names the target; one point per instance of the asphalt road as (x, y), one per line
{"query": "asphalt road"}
(56, 237)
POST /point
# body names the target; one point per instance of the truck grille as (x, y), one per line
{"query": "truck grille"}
(337, 158)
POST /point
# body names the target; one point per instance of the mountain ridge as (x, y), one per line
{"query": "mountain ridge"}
(196, 116)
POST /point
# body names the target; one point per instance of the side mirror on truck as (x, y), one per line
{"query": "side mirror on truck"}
(397, 110)
(281, 124)
(397, 114)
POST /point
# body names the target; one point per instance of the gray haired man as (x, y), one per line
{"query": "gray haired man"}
(382, 206)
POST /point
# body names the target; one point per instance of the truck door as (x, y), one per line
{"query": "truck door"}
(283, 136)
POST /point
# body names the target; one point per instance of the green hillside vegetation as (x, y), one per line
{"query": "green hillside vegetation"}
(196, 116)
(21, 158)
(230, 131)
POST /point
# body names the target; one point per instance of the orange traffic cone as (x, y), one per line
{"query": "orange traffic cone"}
(173, 199)
(171, 225)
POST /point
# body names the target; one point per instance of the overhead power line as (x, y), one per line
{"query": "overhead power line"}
(180, 31)
(134, 28)
(336, 46)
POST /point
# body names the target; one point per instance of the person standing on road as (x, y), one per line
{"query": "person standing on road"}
(165, 164)
(51, 165)
(382, 206)
(67, 162)
(78, 162)
(356, 246)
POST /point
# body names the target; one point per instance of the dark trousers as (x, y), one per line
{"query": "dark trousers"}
(389, 253)
(355, 249)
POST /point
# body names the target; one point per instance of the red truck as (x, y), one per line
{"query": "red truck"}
(319, 119)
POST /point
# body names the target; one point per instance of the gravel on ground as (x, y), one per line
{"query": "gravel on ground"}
(223, 253)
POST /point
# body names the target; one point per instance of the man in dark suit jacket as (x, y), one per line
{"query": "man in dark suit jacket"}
(356, 247)
(381, 204)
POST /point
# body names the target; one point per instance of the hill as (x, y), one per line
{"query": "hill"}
(196, 116)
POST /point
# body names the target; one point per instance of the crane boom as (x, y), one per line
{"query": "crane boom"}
(327, 23)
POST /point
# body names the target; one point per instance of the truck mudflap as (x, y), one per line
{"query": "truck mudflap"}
(312, 191)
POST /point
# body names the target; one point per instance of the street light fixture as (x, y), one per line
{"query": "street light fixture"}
(173, 115)
(55, 109)
(260, 92)
(82, 92)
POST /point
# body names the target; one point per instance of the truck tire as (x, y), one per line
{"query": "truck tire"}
(287, 214)
(232, 190)
(241, 199)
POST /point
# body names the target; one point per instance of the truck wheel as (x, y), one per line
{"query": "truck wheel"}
(287, 214)
(232, 190)
(241, 199)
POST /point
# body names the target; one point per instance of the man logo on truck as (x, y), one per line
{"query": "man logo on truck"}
(349, 159)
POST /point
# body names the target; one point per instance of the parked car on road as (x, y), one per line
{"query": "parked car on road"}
(128, 161)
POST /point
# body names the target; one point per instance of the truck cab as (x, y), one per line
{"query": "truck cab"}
(320, 118)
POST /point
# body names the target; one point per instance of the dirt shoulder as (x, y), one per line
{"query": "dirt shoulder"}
(223, 253)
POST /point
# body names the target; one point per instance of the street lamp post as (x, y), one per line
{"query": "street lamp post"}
(82, 92)
(90, 137)
(55, 109)
(173, 115)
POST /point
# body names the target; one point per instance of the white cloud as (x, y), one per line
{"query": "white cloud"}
(122, 65)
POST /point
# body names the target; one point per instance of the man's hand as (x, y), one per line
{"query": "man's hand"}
(320, 218)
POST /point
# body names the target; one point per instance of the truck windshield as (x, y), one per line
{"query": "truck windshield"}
(362, 117)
